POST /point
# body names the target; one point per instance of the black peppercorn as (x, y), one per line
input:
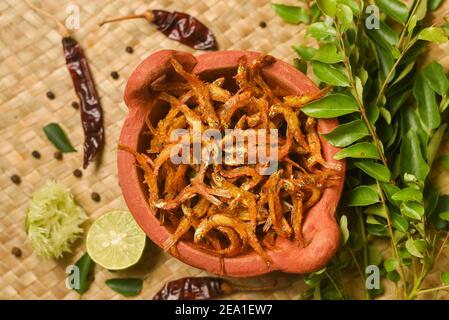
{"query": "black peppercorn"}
(75, 105)
(36, 154)
(262, 24)
(15, 179)
(95, 197)
(114, 75)
(129, 50)
(50, 95)
(77, 173)
(17, 252)
(58, 155)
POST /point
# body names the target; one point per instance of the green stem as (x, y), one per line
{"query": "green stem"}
(334, 284)
(361, 107)
(392, 70)
(394, 244)
(432, 289)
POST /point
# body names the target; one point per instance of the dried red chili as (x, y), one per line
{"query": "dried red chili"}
(201, 288)
(91, 113)
(178, 26)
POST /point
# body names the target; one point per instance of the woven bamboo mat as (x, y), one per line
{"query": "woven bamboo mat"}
(31, 63)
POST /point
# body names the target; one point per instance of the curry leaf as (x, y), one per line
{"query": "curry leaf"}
(408, 194)
(437, 80)
(344, 229)
(433, 34)
(435, 143)
(444, 162)
(85, 266)
(375, 170)
(391, 264)
(319, 30)
(57, 136)
(329, 7)
(399, 222)
(395, 9)
(331, 106)
(330, 75)
(411, 158)
(345, 16)
(412, 210)
(427, 104)
(359, 150)
(347, 133)
(434, 4)
(127, 287)
(385, 36)
(304, 52)
(363, 196)
(291, 14)
(444, 277)
(444, 216)
(412, 248)
(328, 53)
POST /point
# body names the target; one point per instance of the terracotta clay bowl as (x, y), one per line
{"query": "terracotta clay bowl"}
(320, 229)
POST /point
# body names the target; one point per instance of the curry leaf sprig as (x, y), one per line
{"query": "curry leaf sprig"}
(393, 115)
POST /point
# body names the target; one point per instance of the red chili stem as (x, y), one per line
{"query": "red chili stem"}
(62, 29)
(147, 15)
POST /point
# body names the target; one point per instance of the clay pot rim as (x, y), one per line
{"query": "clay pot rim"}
(320, 220)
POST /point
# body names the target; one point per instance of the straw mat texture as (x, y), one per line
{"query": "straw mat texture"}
(31, 63)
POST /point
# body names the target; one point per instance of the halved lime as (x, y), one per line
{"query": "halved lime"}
(115, 241)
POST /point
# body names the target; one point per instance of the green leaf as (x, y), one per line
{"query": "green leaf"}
(291, 14)
(375, 170)
(427, 103)
(434, 4)
(395, 9)
(347, 133)
(377, 210)
(431, 196)
(442, 206)
(412, 210)
(385, 36)
(85, 266)
(433, 34)
(404, 72)
(436, 78)
(444, 162)
(444, 277)
(412, 248)
(306, 53)
(364, 150)
(421, 10)
(353, 4)
(385, 61)
(385, 114)
(411, 158)
(374, 255)
(393, 276)
(330, 75)
(391, 264)
(377, 230)
(444, 216)
(319, 30)
(329, 7)
(363, 196)
(344, 229)
(127, 287)
(345, 16)
(328, 53)
(57, 136)
(408, 194)
(399, 222)
(331, 106)
(435, 143)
